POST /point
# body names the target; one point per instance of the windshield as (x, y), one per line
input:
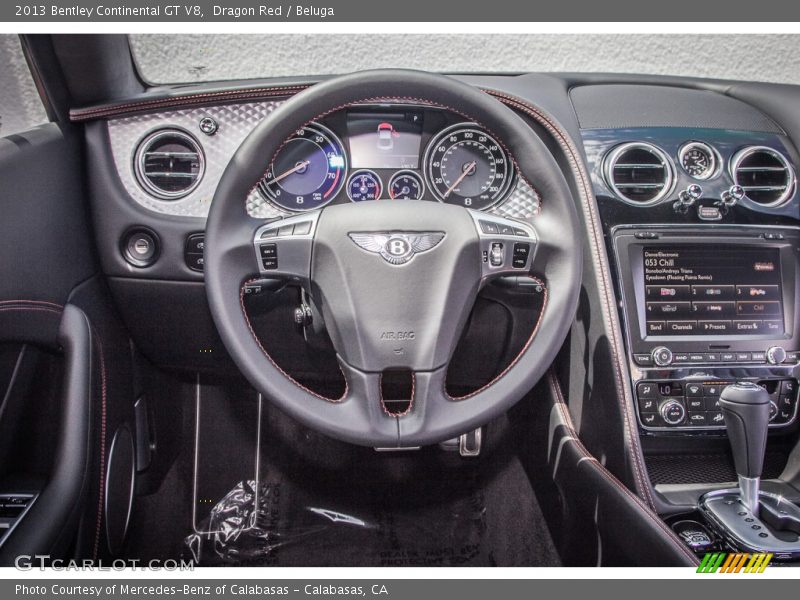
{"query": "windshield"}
(189, 58)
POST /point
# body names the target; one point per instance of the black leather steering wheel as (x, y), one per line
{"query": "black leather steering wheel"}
(382, 315)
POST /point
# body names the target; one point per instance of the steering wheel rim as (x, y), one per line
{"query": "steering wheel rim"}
(359, 417)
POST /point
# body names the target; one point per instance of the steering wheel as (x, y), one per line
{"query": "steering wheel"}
(395, 281)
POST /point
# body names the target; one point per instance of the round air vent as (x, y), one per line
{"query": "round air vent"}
(169, 164)
(765, 175)
(639, 173)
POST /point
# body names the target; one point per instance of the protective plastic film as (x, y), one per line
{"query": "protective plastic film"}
(269, 528)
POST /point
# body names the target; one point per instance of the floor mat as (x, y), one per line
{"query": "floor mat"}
(319, 502)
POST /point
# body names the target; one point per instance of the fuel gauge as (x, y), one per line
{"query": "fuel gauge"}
(406, 185)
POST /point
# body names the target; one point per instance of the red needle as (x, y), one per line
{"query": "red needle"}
(469, 168)
(297, 167)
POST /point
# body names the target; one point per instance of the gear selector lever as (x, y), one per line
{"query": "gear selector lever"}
(748, 518)
(745, 407)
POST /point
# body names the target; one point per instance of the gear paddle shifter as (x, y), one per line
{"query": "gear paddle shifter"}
(745, 407)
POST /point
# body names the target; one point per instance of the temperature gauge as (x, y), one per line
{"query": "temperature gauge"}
(364, 185)
(406, 185)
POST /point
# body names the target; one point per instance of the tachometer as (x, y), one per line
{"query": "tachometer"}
(308, 170)
(467, 166)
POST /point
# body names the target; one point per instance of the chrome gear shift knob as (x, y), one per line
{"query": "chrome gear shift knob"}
(745, 407)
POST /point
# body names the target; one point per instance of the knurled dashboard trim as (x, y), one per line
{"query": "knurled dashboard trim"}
(235, 122)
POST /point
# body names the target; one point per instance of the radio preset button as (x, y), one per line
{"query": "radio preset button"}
(712, 327)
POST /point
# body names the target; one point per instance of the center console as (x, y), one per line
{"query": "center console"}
(704, 307)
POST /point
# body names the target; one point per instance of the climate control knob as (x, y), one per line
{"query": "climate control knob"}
(673, 412)
(776, 355)
(662, 356)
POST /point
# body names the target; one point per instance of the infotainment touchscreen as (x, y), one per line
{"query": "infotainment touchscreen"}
(712, 289)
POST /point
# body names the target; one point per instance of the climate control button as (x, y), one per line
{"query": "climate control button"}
(673, 412)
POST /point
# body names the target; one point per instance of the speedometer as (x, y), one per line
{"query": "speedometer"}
(308, 171)
(466, 166)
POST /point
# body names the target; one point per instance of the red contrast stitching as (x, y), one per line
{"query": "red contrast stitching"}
(58, 309)
(624, 399)
(274, 364)
(102, 491)
(516, 358)
(85, 114)
(410, 402)
(562, 407)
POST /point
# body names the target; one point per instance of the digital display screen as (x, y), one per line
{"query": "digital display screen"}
(698, 289)
(389, 140)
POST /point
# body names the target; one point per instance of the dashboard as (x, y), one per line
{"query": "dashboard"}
(696, 194)
(170, 163)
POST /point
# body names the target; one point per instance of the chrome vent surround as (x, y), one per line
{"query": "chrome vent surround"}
(639, 173)
(169, 164)
(765, 175)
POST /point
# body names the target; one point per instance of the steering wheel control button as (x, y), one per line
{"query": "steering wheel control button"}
(269, 256)
(269, 233)
(496, 254)
(520, 255)
(286, 230)
(662, 356)
(488, 227)
(303, 228)
(140, 248)
(520, 232)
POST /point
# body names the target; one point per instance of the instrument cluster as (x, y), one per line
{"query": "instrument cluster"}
(389, 152)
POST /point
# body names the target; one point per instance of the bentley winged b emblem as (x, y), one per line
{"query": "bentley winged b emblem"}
(397, 247)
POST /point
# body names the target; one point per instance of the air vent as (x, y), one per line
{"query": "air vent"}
(765, 175)
(639, 173)
(169, 164)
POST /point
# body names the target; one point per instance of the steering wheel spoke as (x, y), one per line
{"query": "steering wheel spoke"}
(283, 248)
